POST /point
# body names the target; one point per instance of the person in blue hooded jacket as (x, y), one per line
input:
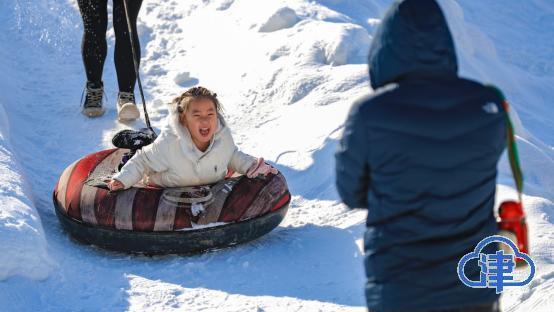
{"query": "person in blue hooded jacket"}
(420, 154)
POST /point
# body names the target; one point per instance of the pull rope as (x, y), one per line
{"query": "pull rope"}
(136, 65)
(513, 154)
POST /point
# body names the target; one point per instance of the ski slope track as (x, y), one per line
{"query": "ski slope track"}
(287, 72)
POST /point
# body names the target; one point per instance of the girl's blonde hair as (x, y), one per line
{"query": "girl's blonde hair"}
(182, 102)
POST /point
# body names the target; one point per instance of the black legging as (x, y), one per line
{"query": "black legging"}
(94, 47)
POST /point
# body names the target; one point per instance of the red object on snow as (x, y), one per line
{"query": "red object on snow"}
(512, 220)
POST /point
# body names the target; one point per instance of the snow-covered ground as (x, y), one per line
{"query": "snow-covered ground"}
(286, 72)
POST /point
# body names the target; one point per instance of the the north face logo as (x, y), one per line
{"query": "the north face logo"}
(490, 108)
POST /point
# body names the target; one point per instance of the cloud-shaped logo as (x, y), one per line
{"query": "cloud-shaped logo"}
(496, 269)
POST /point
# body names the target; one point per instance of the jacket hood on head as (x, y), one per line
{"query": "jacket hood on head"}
(413, 39)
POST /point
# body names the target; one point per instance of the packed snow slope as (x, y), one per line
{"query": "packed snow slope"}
(287, 72)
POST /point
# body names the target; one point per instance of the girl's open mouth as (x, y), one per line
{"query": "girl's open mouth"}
(204, 131)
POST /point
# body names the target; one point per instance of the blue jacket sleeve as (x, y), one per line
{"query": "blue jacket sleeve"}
(352, 168)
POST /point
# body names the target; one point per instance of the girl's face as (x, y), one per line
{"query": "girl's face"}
(200, 118)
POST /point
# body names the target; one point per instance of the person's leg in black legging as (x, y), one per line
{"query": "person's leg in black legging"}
(94, 46)
(123, 56)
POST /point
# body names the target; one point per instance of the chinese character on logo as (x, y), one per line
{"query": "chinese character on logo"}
(496, 269)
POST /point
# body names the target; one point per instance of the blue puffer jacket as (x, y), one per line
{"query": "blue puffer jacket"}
(420, 154)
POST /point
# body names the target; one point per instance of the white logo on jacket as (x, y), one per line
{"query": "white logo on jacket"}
(490, 108)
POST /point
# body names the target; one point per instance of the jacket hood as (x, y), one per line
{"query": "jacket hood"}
(185, 139)
(413, 39)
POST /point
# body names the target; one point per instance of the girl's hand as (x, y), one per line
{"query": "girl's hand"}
(115, 185)
(260, 168)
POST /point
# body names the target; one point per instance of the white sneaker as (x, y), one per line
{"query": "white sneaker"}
(94, 97)
(127, 110)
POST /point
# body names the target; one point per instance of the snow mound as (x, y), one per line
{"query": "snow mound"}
(329, 43)
(283, 18)
(23, 249)
(184, 79)
(349, 47)
(332, 58)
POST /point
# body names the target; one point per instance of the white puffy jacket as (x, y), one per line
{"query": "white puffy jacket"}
(174, 161)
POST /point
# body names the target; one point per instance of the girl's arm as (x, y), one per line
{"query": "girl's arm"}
(241, 162)
(151, 158)
(249, 165)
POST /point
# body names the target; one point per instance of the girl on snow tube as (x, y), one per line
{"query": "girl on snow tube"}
(196, 148)
(187, 202)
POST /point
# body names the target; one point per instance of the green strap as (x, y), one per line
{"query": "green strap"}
(513, 154)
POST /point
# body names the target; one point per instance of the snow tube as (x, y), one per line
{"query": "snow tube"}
(146, 220)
